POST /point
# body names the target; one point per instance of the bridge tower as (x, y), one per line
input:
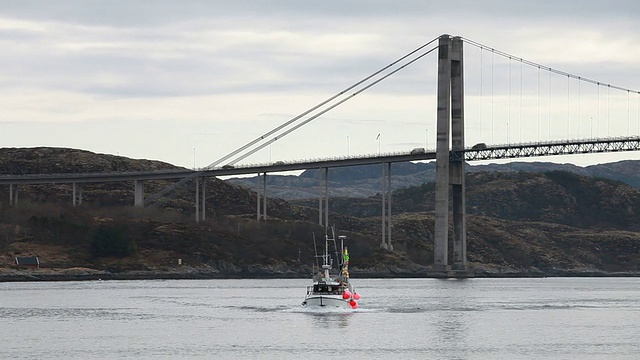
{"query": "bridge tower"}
(450, 171)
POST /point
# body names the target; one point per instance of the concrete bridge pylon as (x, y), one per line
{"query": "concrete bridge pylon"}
(450, 173)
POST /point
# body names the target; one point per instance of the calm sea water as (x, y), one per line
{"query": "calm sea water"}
(551, 318)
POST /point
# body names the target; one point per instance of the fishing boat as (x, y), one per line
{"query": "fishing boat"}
(332, 288)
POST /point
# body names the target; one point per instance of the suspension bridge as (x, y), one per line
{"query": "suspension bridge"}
(545, 111)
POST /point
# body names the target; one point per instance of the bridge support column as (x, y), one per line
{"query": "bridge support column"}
(200, 205)
(326, 197)
(77, 194)
(138, 193)
(204, 197)
(383, 242)
(386, 207)
(260, 194)
(441, 232)
(258, 198)
(389, 246)
(197, 199)
(450, 128)
(13, 195)
(323, 198)
(320, 199)
(264, 194)
(457, 170)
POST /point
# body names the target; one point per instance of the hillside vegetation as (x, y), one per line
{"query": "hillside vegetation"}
(519, 224)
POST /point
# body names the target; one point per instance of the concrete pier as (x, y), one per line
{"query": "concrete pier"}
(138, 193)
(76, 194)
(258, 198)
(323, 197)
(261, 193)
(450, 171)
(441, 231)
(13, 195)
(457, 167)
(197, 199)
(385, 242)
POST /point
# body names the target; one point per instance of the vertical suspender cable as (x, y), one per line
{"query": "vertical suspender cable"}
(538, 137)
(568, 121)
(520, 100)
(481, 98)
(608, 107)
(509, 112)
(598, 114)
(549, 102)
(492, 117)
(579, 107)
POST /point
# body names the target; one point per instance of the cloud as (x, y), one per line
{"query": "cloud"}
(211, 65)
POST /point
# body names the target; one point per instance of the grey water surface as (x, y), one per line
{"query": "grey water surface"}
(545, 318)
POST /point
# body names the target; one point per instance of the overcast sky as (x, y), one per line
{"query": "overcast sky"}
(167, 80)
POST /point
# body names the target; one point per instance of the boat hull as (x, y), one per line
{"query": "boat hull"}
(324, 301)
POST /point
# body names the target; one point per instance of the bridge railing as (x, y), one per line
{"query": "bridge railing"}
(315, 160)
(547, 148)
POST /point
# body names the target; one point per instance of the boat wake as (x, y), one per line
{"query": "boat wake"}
(322, 310)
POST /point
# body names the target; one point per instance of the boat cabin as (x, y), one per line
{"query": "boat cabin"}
(327, 289)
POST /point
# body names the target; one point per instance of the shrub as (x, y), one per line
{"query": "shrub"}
(111, 241)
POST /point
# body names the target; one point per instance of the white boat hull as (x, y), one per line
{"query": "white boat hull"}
(326, 301)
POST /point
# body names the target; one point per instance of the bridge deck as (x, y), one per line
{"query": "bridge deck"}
(504, 151)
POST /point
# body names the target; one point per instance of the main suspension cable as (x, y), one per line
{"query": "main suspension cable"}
(550, 69)
(307, 112)
(331, 107)
(166, 190)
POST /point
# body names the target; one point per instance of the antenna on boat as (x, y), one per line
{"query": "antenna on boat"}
(315, 251)
(342, 258)
(335, 246)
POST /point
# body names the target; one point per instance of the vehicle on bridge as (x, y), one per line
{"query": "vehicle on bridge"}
(479, 146)
(417, 151)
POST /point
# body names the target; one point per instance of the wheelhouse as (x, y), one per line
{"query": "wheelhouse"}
(327, 289)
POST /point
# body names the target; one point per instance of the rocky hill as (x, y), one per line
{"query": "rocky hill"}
(519, 224)
(364, 181)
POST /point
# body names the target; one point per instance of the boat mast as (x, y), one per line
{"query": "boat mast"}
(341, 237)
(326, 266)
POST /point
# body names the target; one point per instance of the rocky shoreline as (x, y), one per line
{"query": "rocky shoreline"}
(193, 273)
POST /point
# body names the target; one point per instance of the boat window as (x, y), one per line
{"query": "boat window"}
(327, 289)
